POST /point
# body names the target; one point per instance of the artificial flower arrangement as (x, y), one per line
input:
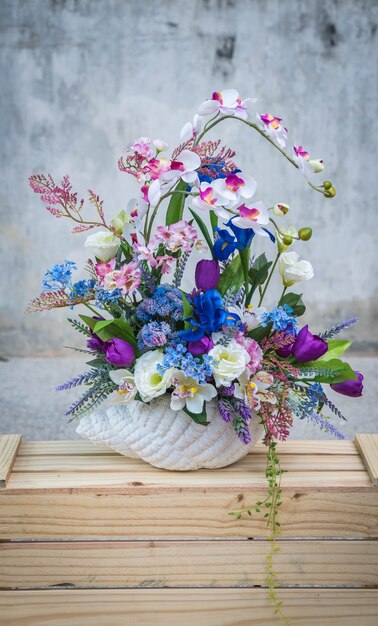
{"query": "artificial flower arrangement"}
(212, 357)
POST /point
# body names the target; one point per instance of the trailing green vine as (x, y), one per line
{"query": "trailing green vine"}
(270, 508)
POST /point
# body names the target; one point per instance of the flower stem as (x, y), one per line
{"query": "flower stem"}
(269, 278)
(244, 259)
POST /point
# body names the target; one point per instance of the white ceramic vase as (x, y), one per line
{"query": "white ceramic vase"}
(168, 439)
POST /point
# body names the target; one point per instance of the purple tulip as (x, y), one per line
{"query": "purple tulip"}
(207, 275)
(308, 347)
(119, 352)
(351, 388)
(202, 346)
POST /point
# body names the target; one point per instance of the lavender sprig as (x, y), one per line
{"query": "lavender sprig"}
(324, 424)
(81, 379)
(180, 269)
(335, 330)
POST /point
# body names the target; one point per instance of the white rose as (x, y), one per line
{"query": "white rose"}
(230, 361)
(148, 381)
(103, 244)
(293, 270)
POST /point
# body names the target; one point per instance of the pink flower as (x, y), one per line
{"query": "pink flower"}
(142, 147)
(176, 237)
(166, 263)
(103, 269)
(273, 128)
(253, 349)
(128, 278)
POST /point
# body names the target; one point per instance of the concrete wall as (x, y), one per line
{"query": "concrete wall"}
(80, 79)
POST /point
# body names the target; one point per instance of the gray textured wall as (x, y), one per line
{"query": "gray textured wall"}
(80, 79)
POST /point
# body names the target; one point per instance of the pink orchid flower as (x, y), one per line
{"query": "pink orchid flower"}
(273, 128)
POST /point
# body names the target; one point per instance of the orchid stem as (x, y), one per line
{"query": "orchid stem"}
(269, 278)
(244, 259)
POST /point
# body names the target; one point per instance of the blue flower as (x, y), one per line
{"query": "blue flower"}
(58, 276)
(209, 316)
(240, 239)
(282, 319)
(82, 288)
(106, 296)
(177, 356)
(165, 302)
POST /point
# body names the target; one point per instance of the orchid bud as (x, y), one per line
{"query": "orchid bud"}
(327, 184)
(287, 240)
(305, 234)
(118, 222)
(160, 145)
(330, 193)
(280, 209)
(317, 165)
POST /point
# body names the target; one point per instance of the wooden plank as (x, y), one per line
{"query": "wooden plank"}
(173, 607)
(201, 512)
(36, 448)
(176, 564)
(9, 445)
(368, 446)
(118, 463)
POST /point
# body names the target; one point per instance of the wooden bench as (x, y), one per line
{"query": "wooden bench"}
(90, 537)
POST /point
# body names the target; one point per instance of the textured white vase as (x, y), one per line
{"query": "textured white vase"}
(168, 439)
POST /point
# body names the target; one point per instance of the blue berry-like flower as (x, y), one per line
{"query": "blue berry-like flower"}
(82, 288)
(154, 335)
(178, 357)
(58, 276)
(165, 302)
(282, 318)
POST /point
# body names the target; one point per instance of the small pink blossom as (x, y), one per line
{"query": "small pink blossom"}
(142, 147)
(128, 278)
(253, 349)
(103, 269)
(166, 263)
(176, 236)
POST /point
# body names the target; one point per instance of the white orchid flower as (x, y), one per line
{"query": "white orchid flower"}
(189, 393)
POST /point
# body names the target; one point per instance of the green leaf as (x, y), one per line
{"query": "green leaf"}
(198, 418)
(337, 371)
(260, 332)
(213, 220)
(89, 321)
(294, 300)
(98, 363)
(336, 347)
(176, 205)
(188, 311)
(108, 329)
(258, 273)
(232, 276)
(203, 228)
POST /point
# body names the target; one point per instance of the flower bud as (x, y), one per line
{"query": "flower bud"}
(287, 240)
(305, 234)
(280, 209)
(118, 222)
(317, 165)
(327, 184)
(330, 193)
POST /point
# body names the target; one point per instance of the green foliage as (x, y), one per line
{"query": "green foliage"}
(232, 276)
(203, 228)
(79, 327)
(176, 205)
(260, 332)
(198, 418)
(336, 347)
(259, 272)
(188, 311)
(108, 329)
(294, 300)
(213, 220)
(332, 371)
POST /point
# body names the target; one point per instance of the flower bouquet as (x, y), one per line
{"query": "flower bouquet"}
(194, 377)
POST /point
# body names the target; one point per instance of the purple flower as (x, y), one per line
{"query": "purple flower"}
(207, 275)
(308, 347)
(202, 346)
(95, 343)
(351, 388)
(119, 352)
